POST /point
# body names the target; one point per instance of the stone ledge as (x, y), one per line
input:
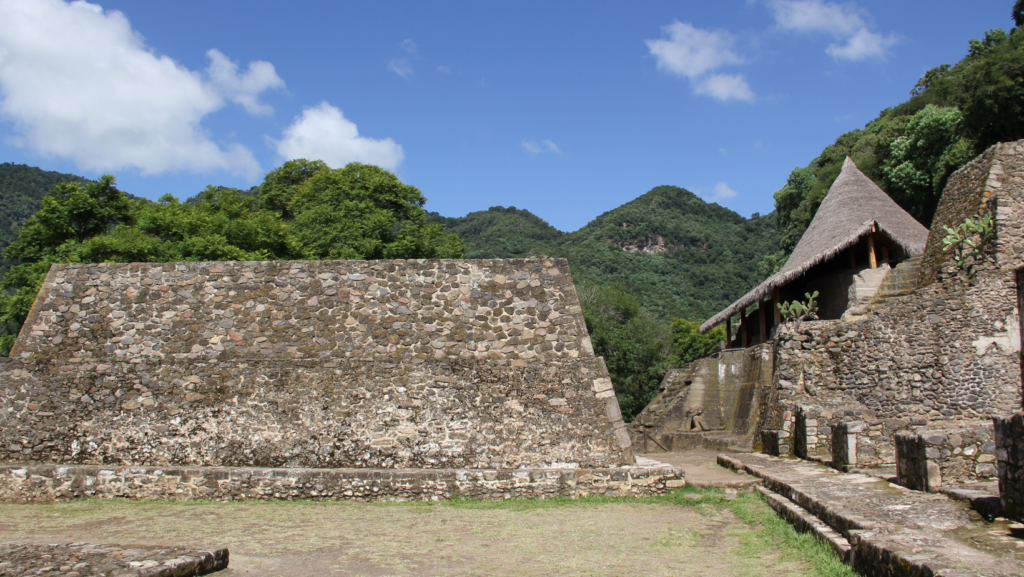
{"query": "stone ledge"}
(891, 530)
(48, 483)
(18, 559)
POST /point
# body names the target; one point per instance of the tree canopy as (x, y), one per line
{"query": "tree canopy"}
(303, 210)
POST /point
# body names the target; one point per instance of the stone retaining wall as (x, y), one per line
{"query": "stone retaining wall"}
(330, 413)
(379, 364)
(48, 483)
(1009, 439)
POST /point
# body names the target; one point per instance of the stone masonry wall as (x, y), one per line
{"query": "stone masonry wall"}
(934, 458)
(1009, 438)
(432, 364)
(947, 354)
(394, 310)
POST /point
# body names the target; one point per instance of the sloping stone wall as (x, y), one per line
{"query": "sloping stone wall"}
(409, 364)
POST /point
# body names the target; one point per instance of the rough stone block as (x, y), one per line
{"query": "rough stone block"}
(1009, 441)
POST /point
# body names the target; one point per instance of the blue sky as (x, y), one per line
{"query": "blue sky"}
(567, 109)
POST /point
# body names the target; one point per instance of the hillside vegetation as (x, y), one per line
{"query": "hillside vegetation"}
(954, 113)
(677, 254)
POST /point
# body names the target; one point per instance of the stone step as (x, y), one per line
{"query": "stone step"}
(900, 280)
(891, 530)
(804, 521)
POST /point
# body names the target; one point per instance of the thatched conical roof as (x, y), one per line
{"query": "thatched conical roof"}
(853, 207)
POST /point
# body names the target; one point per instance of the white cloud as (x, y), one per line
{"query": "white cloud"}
(323, 133)
(695, 53)
(721, 191)
(725, 87)
(244, 89)
(844, 22)
(79, 83)
(402, 66)
(535, 148)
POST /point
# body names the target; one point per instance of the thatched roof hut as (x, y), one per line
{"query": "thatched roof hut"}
(855, 208)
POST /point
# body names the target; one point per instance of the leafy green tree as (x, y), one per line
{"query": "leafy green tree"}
(356, 212)
(912, 169)
(71, 212)
(635, 346)
(689, 344)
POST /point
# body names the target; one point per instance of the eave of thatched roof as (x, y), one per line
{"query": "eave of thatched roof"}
(853, 208)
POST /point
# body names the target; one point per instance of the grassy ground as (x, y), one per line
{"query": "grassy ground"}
(671, 535)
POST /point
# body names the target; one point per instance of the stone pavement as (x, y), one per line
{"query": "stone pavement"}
(883, 529)
(80, 559)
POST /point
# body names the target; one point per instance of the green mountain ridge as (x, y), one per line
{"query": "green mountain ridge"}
(678, 254)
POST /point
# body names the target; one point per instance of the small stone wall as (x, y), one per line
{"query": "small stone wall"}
(48, 483)
(913, 468)
(844, 444)
(811, 441)
(934, 458)
(1009, 440)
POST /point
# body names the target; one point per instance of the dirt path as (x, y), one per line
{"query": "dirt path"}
(702, 470)
(292, 539)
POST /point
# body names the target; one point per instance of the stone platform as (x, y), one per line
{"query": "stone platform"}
(79, 559)
(882, 528)
(48, 483)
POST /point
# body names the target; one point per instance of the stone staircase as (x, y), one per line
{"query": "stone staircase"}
(673, 387)
(900, 281)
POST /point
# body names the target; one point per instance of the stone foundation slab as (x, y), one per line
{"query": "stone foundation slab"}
(17, 559)
(48, 483)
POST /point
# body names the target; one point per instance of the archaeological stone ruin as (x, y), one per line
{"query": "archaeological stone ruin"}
(924, 377)
(346, 379)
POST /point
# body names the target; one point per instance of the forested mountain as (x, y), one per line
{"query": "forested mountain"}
(22, 189)
(679, 255)
(500, 232)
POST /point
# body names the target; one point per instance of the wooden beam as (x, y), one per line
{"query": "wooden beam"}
(743, 329)
(871, 251)
(762, 318)
(776, 301)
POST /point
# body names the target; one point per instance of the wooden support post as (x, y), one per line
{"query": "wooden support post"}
(728, 331)
(776, 301)
(871, 251)
(743, 329)
(764, 322)
(885, 253)
(853, 256)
